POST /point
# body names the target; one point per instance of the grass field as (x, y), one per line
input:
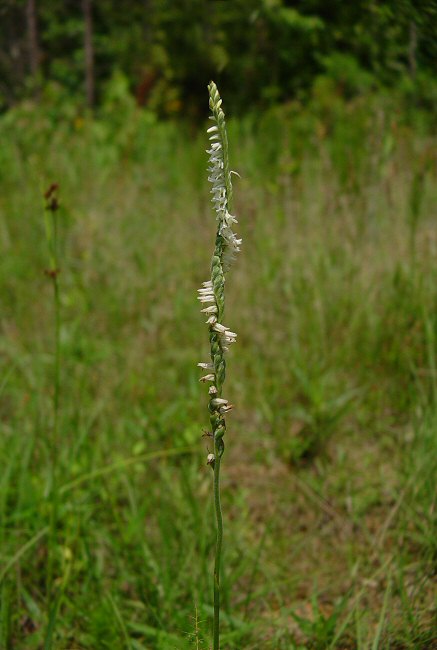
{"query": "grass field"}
(329, 472)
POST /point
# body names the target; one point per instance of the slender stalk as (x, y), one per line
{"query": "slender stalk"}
(51, 222)
(220, 337)
(218, 553)
(55, 435)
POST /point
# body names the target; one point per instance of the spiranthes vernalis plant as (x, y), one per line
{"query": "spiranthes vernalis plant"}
(212, 294)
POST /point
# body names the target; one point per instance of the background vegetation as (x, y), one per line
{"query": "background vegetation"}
(260, 51)
(329, 473)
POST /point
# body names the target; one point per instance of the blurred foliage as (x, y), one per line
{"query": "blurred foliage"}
(261, 51)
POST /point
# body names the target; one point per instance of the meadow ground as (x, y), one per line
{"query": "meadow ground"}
(329, 472)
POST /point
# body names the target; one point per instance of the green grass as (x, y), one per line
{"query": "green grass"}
(329, 483)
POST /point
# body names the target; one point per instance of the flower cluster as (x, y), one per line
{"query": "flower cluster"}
(220, 178)
(206, 295)
(211, 294)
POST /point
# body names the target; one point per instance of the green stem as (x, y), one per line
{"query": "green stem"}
(218, 551)
(56, 395)
(57, 377)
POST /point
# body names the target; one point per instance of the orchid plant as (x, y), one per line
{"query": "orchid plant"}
(212, 295)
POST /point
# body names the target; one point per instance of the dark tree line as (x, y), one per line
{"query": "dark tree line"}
(262, 51)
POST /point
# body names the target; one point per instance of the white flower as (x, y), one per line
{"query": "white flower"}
(206, 366)
(226, 409)
(206, 294)
(207, 298)
(219, 401)
(225, 334)
(209, 377)
(230, 219)
(221, 329)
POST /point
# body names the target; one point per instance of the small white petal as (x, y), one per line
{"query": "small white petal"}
(220, 328)
(230, 219)
(219, 401)
(206, 366)
(209, 377)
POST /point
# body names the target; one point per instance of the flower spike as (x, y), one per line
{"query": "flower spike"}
(212, 294)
